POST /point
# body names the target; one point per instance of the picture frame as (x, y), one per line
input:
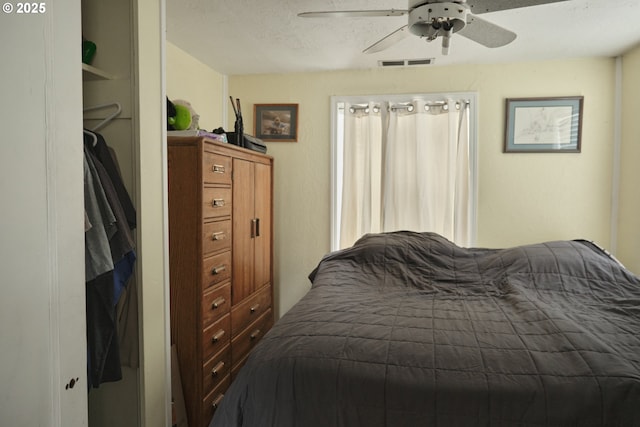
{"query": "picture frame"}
(543, 125)
(276, 122)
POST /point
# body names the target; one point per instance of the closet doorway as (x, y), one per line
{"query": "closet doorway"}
(127, 112)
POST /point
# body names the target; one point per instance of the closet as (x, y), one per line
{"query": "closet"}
(109, 96)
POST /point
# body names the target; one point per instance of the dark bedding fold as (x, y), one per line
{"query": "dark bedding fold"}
(407, 329)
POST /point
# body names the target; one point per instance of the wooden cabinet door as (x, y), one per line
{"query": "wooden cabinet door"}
(262, 249)
(243, 226)
(252, 189)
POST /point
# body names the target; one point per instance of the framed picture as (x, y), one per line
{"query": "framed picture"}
(549, 125)
(276, 122)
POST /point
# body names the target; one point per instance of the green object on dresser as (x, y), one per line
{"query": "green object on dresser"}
(182, 119)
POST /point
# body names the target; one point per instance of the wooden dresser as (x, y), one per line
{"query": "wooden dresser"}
(220, 251)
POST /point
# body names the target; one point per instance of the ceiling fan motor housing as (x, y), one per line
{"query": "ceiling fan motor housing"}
(428, 19)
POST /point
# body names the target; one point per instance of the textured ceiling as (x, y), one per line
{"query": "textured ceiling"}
(267, 36)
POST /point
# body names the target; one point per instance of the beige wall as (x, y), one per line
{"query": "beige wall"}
(629, 216)
(191, 80)
(522, 197)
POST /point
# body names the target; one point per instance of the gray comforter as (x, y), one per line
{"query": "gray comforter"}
(407, 329)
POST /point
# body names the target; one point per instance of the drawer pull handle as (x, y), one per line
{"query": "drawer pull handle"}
(218, 270)
(255, 334)
(254, 308)
(218, 168)
(217, 303)
(217, 368)
(217, 336)
(253, 228)
(217, 203)
(218, 236)
(217, 401)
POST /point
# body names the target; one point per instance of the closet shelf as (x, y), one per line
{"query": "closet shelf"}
(92, 73)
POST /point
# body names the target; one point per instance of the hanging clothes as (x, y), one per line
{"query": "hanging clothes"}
(101, 225)
(105, 284)
(106, 157)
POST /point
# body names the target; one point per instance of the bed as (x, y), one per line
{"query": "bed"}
(408, 329)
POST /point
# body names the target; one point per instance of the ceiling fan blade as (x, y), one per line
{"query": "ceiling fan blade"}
(487, 6)
(389, 40)
(486, 33)
(353, 13)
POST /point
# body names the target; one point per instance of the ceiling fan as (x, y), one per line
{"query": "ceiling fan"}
(434, 18)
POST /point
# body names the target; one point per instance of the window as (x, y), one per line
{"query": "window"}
(404, 162)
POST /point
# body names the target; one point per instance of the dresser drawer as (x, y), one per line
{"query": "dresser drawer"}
(215, 337)
(216, 236)
(216, 202)
(216, 169)
(243, 343)
(215, 370)
(211, 402)
(250, 309)
(216, 269)
(215, 303)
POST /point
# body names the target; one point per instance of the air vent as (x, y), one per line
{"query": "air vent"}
(427, 61)
(391, 63)
(406, 62)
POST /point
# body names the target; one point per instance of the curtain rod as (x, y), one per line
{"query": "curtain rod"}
(405, 106)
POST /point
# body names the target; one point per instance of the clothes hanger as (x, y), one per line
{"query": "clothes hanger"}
(94, 138)
(110, 117)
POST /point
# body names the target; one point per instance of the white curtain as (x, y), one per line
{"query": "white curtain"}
(361, 177)
(412, 173)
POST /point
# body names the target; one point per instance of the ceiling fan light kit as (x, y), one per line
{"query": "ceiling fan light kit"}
(438, 19)
(431, 19)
